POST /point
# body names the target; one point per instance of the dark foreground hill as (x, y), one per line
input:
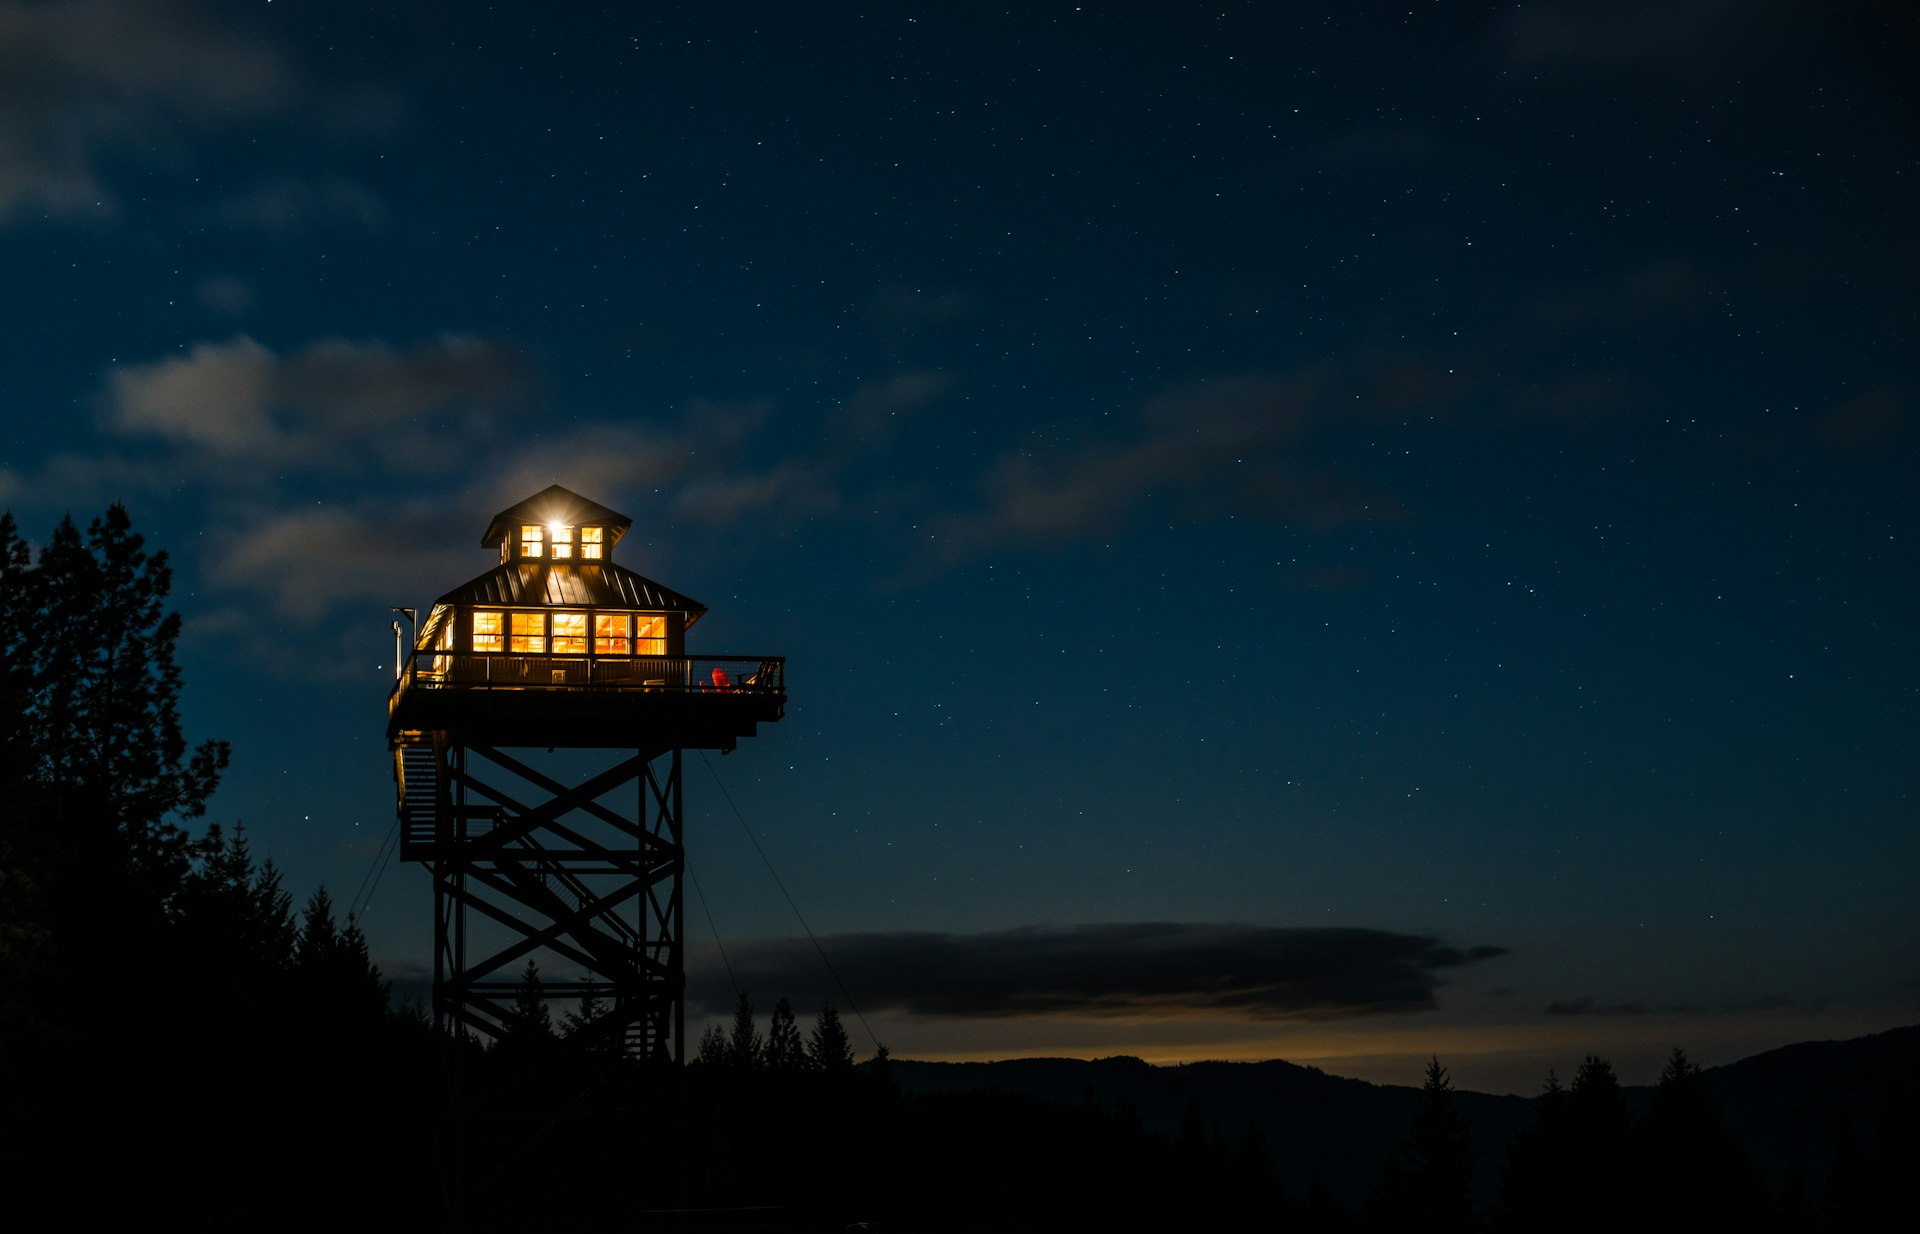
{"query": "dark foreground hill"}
(1784, 1105)
(1788, 1105)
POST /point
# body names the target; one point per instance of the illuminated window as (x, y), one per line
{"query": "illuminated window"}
(486, 631)
(528, 633)
(651, 639)
(591, 543)
(569, 631)
(531, 538)
(612, 633)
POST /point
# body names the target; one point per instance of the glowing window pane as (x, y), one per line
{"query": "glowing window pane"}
(562, 548)
(652, 637)
(528, 633)
(612, 633)
(591, 543)
(486, 631)
(569, 633)
(532, 537)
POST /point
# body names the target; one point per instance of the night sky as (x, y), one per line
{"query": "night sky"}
(1334, 535)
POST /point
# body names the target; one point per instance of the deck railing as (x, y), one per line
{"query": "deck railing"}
(431, 669)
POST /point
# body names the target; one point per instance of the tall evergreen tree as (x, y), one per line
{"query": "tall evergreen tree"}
(90, 626)
(528, 1019)
(1431, 1188)
(591, 1008)
(234, 917)
(744, 1048)
(828, 1047)
(1536, 1179)
(713, 1047)
(785, 1053)
(1697, 1177)
(96, 771)
(1602, 1193)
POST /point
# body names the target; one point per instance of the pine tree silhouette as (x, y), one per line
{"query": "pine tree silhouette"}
(785, 1053)
(528, 1019)
(1430, 1187)
(828, 1048)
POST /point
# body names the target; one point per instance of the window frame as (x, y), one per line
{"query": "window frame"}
(520, 644)
(580, 641)
(498, 634)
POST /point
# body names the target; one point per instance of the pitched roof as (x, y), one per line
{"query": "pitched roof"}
(554, 504)
(539, 584)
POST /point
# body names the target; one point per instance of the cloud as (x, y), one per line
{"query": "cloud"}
(290, 205)
(1588, 1005)
(224, 293)
(705, 442)
(1236, 445)
(77, 77)
(309, 561)
(876, 408)
(330, 401)
(1115, 970)
(1878, 418)
(1682, 37)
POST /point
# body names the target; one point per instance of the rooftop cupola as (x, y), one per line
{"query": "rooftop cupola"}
(556, 525)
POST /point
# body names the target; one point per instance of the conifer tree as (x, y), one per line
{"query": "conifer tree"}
(528, 1019)
(1601, 1192)
(744, 1048)
(784, 1052)
(97, 771)
(1536, 1179)
(1695, 1174)
(234, 918)
(1431, 1186)
(591, 1008)
(713, 1047)
(828, 1047)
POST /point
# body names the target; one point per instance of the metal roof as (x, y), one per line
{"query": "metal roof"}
(542, 584)
(554, 504)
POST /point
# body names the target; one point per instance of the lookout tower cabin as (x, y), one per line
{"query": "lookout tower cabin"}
(558, 646)
(561, 645)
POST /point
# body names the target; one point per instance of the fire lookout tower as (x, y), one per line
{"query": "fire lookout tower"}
(556, 648)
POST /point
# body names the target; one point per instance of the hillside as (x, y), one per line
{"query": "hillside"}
(1784, 1104)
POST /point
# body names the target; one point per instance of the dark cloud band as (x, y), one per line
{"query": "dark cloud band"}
(1118, 969)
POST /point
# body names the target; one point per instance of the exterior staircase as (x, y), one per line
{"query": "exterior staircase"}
(416, 782)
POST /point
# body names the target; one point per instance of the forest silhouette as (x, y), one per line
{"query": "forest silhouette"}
(183, 1049)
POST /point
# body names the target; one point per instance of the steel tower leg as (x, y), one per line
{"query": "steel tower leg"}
(528, 867)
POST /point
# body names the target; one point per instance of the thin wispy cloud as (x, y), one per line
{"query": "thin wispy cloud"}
(1234, 445)
(328, 402)
(78, 79)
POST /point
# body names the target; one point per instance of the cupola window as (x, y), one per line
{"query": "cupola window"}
(592, 543)
(532, 540)
(562, 540)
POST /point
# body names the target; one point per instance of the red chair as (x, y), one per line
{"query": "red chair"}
(721, 681)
